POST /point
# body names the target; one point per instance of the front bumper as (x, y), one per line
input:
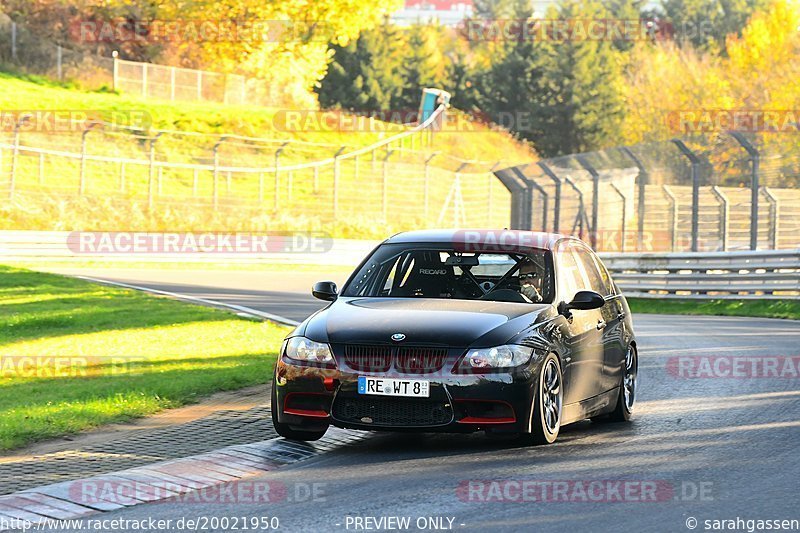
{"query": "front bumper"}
(309, 397)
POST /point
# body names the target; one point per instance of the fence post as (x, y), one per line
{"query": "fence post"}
(215, 182)
(278, 153)
(260, 188)
(59, 60)
(289, 179)
(199, 84)
(122, 177)
(426, 182)
(144, 80)
(622, 196)
(355, 167)
(595, 197)
(492, 177)
(228, 178)
(754, 185)
(151, 172)
(774, 214)
(172, 83)
(723, 223)
(15, 155)
(115, 71)
(160, 176)
(13, 41)
(641, 180)
(384, 185)
(336, 171)
(41, 169)
(695, 163)
(195, 181)
(673, 202)
(82, 176)
(581, 210)
(557, 207)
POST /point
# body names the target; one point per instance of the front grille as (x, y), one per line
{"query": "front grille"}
(420, 360)
(407, 359)
(368, 358)
(395, 412)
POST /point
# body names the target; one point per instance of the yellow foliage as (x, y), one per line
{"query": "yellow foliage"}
(761, 71)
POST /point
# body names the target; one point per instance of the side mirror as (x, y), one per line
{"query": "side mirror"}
(325, 290)
(583, 300)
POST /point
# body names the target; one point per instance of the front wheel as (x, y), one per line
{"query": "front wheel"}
(627, 390)
(547, 403)
(285, 430)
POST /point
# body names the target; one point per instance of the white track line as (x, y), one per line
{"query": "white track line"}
(247, 310)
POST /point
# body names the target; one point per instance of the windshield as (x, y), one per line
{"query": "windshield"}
(442, 271)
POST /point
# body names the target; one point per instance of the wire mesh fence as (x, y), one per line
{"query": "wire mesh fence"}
(707, 193)
(396, 184)
(25, 50)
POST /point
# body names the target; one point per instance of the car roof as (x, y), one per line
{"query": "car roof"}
(523, 239)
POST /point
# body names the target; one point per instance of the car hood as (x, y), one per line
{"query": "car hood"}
(423, 321)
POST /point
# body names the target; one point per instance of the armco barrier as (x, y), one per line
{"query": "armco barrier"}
(740, 275)
(773, 274)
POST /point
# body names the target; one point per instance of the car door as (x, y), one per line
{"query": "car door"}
(584, 365)
(615, 336)
(610, 325)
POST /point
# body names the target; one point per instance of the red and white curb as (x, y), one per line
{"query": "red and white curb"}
(212, 472)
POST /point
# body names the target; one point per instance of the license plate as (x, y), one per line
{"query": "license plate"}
(393, 387)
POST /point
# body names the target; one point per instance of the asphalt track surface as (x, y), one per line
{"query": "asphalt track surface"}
(699, 449)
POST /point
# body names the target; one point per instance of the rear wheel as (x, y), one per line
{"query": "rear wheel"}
(285, 430)
(547, 403)
(627, 390)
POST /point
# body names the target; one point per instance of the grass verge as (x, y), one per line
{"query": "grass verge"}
(752, 308)
(76, 355)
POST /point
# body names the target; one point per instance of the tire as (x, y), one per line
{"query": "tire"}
(547, 403)
(623, 411)
(285, 430)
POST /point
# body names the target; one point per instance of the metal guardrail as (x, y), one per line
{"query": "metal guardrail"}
(60, 246)
(729, 275)
(726, 275)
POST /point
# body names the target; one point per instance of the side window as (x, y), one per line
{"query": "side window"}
(591, 272)
(605, 275)
(570, 280)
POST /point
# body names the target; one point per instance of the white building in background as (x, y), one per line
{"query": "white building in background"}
(446, 12)
(449, 12)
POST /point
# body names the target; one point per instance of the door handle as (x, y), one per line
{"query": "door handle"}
(601, 324)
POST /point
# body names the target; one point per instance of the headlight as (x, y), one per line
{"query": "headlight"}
(506, 356)
(308, 351)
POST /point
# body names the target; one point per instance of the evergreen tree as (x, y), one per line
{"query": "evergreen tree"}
(578, 102)
(365, 75)
(706, 23)
(424, 64)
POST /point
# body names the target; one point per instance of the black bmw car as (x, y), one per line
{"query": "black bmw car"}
(461, 331)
